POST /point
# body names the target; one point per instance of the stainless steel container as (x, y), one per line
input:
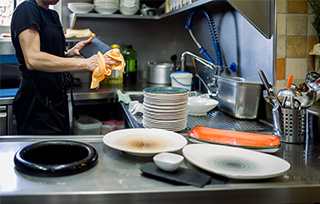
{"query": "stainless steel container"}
(159, 73)
(238, 97)
(293, 125)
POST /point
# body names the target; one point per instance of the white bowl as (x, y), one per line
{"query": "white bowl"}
(107, 4)
(78, 7)
(106, 9)
(168, 161)
(128, 10)
(105, 1)
(201, 109)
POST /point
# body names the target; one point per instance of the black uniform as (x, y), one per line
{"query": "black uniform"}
(41, 105)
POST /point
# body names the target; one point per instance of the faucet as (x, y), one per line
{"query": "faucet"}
(206, 63)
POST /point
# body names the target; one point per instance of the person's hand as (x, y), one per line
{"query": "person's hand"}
(93, 62)
(74, 51)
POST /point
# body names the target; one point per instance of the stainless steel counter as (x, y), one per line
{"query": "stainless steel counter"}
(117, 179)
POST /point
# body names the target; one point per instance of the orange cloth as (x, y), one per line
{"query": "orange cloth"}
(102, 71)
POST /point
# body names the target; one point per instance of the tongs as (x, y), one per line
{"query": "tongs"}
(272, 99)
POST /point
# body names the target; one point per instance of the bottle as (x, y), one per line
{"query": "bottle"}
(130, 71)
(116, 76)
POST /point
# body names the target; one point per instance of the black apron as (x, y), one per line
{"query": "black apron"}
(41, 109)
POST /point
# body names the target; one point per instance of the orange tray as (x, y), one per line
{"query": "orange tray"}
(234, 138)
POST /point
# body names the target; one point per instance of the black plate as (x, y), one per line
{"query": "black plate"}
(93, 48)
(55, 158)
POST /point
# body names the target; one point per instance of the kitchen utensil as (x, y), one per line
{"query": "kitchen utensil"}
(270, 89)
(168, 161)
(234, 162)
(289, 81)
(159, 72)
(289, 92)
(293, 125)
(313, 80)
(275, 100)
(308, 100)
(267, 97)
(276, 118)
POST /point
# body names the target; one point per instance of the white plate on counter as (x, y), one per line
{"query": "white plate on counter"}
(234, 162)
(145, 142)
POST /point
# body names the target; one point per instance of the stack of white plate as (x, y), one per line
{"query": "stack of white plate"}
(106, 6)
(165, 108)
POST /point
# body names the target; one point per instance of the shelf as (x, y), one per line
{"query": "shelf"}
(73, 17)
(262, 18)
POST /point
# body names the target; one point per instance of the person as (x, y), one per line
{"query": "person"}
(41, 104)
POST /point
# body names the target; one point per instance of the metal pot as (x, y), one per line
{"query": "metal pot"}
(159, 73)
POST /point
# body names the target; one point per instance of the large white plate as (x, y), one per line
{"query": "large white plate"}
(234, 162)
(145, 142)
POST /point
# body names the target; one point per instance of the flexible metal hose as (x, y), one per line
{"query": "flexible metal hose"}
(213, 33)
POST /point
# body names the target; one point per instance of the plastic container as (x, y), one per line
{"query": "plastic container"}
(87, 125)
(108, 126)
(130, 72)
(181, 79)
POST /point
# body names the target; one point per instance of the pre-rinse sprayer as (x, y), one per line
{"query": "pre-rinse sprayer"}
(218, 65)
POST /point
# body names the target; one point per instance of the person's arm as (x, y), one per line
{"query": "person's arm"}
(41, 61)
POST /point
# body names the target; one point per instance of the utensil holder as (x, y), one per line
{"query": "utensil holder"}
(293, 125)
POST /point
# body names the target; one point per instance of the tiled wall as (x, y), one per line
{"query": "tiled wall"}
(295, 38)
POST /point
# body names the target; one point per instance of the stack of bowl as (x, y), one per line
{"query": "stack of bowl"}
(106, 6)
(165, 108)
(129, 7)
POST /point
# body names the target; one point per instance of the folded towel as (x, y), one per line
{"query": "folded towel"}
(102, 71)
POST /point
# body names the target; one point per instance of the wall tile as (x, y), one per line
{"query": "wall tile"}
(281, 24)
(297, 6)
(281, 68)
(311, 30)
(280, 84)
(296, 67)
(297, 47)
(296, 33)
(281, 47)
(297, 24)
(281, 6)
